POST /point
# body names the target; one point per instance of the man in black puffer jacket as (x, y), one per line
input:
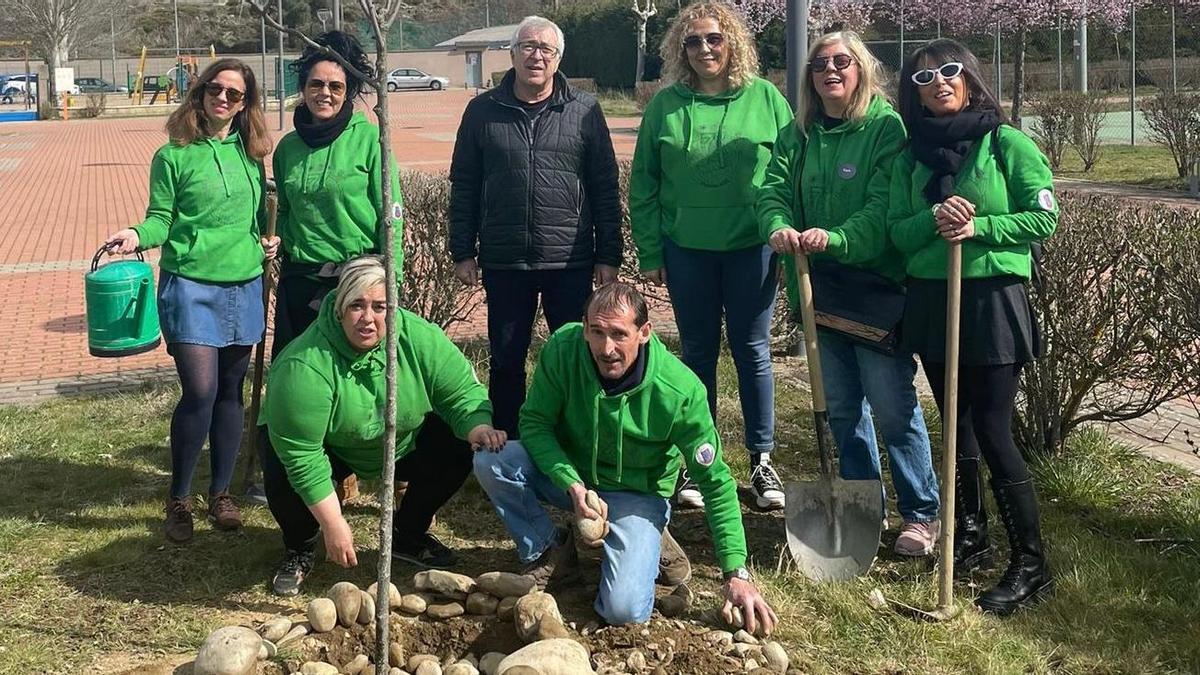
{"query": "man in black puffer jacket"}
(534, 204)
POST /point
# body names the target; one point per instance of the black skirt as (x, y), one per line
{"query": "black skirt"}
(996, 327)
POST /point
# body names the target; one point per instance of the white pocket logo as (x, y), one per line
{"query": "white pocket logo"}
(397, 211)
(1046, 199)
(706, 454)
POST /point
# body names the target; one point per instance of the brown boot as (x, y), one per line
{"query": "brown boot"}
(223, 513)
(558, 564)
(674, 568)
(347, 488)
(179, 520)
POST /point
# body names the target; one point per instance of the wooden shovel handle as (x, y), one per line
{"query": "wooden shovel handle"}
(950, 424)
(808, 318)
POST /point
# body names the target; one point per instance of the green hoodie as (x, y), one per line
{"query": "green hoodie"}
(1014, 207)
(844, 189)
(205, 210)
(632, 441)
(697, 166)
(322, 395)
(329, 197)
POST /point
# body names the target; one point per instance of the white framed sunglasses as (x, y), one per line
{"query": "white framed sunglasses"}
(948, 71)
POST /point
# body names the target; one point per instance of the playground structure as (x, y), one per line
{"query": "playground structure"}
(176, 80)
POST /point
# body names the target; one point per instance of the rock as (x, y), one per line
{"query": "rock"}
(268, 650)
(537, 617)
(366, 608)
(232, 650)
(318, 668)
(396, 671)
(413, 604)
(393, 594)
(776, 657)
(548, 657)
(357, 665)
(743, 650)
(738, 621)
(298, 631)
(504, 584)
(762, 671)
(445, 583)
(428, 668)
(416, 660)
(322, 615)
(671, 606)
(460, 668)
(481, 603)
(444, 611)
(489, 663)
(751, 665)
(275, 629)
(396, 655)
(636, 661)
(504, 610)
(718, 636)
(470, 659)
(744, 637)
(347, 600)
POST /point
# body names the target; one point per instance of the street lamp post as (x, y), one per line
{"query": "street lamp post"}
(323, 15)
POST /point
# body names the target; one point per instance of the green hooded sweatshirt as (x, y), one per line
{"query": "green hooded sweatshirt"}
(844, 189)
(329, 197)
(697, 166)
(633, 441)
(205, 210)
(323, 394)
(1014, 207)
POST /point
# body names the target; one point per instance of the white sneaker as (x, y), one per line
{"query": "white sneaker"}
(766, 487)
(688, 493)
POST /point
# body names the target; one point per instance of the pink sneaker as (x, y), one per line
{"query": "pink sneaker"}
(918, 539)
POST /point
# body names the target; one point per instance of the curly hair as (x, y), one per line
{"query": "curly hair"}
(743, 58)
(348, 47)
(188, 123)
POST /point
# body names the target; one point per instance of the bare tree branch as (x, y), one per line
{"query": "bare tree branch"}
(261, 8)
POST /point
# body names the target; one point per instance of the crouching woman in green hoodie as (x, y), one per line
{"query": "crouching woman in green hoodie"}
(610, 409)
(324, 416)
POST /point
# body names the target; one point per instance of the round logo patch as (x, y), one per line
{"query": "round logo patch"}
(847, 171)
(706, 454)
(1046, 199)
(397, 211)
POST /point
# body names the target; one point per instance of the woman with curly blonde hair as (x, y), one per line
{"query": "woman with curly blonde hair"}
(701, 154)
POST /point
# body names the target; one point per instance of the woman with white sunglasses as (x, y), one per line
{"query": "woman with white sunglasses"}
(967, 178)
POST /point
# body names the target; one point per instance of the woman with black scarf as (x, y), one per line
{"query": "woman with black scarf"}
(968, 178)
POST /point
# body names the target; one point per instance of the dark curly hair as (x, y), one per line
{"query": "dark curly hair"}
(348, 47)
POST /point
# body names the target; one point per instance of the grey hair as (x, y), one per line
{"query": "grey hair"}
(537, 23)
(357, 277)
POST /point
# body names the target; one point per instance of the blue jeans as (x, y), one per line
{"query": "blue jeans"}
(517, 489)
(741, 285)
(859, 381)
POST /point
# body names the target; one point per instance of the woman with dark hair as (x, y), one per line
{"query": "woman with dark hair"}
(969, 179)
(206, 209)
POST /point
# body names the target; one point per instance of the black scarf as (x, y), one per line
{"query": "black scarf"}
(318, 134)
(941, 143)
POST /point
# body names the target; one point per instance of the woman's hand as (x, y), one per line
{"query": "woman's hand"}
(814, 240)
(339, 542)
(785, 241)
(270, 247)
(657, 277)
(954, 210)
(484, 436)
(124, 241)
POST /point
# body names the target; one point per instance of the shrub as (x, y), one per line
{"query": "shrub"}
(1086, 123)
(1174, 121)
(1052, 130)
(497, 77)
(646, 91)
(94, 105)
(583, 84)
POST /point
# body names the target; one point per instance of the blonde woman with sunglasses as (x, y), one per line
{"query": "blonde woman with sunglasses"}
(826, 195)
(206, 210)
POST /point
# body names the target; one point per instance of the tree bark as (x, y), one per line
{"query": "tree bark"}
(1019, 77)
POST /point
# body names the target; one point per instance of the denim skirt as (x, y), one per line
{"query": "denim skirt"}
(210, 313)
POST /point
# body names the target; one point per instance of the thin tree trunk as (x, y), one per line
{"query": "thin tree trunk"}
(641, 52)
(1018, 77)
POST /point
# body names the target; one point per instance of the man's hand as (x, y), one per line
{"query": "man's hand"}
(785, 241)
(657, 277)
(578, 493)
(467, 272)
(339, 543)
(760, 618)
(270, 247)
(124, 241)
(484, 436)
(604, 274)
(814, 240)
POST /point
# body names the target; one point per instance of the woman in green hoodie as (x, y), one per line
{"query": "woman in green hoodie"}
(206, 207)
(324, 415)
(968, 179)
(702, 150)
(826, 194)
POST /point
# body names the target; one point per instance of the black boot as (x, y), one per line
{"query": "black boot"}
(1027, 580)
(972, 550)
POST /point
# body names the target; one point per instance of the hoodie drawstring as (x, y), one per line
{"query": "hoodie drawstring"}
(220, 167)
(622, 407)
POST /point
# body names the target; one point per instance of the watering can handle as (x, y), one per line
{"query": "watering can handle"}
(104, 249)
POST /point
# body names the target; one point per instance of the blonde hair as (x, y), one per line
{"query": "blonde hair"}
(357, 277)
(188, 123)
(870, 80)
(743, 58)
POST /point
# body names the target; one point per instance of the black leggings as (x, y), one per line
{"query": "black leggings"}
(211, 405)
(986, 396)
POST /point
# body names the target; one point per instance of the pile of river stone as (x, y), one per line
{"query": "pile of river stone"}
(440, 595)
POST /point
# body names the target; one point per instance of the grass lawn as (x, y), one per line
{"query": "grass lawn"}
(1144, 165)
(617, 103)
(86, 577)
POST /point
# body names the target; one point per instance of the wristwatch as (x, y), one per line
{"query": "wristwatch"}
(738, 573)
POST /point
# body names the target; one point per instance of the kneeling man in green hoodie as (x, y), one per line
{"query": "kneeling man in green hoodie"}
(611, 410)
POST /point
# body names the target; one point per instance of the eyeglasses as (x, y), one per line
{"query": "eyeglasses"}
(232, 95)
(820, 64)
(528, 48)
(336, 88)
(948, 71)
(713, 40)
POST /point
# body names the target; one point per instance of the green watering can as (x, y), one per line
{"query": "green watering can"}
(122, 312)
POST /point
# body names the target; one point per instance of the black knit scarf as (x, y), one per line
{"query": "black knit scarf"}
(317, 133)
(941, 143)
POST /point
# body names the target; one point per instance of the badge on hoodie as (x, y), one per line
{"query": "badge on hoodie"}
(397, 211)
(706, 454)
(1046, 199)
(847, 171)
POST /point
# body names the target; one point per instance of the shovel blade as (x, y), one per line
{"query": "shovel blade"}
(833, 526)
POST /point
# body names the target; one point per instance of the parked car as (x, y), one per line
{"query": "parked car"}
(17, 83)
(411, 78)
(89, 85)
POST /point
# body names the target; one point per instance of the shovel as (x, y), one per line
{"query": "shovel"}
(833, 525)
(260, 350)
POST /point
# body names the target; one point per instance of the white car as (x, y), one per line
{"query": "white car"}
(411, 78)
(16, 84)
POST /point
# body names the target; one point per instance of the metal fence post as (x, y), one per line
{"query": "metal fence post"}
(1132, 70)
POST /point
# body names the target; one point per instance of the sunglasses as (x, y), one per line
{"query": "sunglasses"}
(821, 63)
(336, 88)
(948, 71)
(713, 40)
(232, 95)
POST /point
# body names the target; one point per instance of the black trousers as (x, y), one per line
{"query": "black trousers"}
(435, 469)
(294, 311)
